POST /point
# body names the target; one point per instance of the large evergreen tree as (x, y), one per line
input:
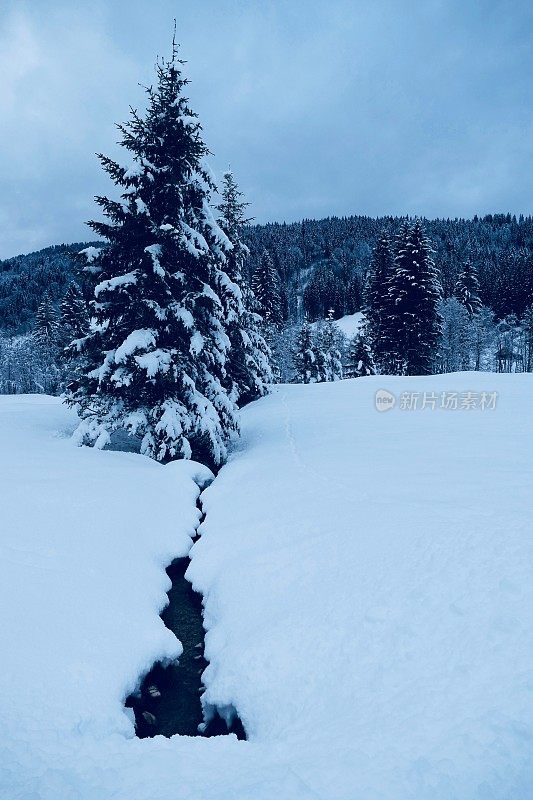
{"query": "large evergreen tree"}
(467, 289)
(378, 304)
(248, 371)
(414, 293)
(156, 354)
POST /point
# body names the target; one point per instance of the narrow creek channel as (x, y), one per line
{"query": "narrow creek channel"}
(168, 701)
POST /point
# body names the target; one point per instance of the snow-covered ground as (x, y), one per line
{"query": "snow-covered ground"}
(368, 589)
(349, 324)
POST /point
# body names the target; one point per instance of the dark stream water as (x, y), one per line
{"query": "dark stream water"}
(168, 702)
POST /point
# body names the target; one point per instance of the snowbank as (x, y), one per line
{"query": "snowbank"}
(369, 588)
(368, 592)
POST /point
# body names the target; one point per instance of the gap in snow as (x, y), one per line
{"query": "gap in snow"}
(168, 701)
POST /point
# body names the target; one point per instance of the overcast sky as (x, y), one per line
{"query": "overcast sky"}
(320, 107)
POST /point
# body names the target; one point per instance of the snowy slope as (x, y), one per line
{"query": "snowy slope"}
(369, 589)
(349, 325)
(368, 592)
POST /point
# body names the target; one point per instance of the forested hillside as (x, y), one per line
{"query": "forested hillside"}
(322, 262)
(26, 278)
(325, 261)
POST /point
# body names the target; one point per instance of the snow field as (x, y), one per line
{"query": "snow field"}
(367, 587)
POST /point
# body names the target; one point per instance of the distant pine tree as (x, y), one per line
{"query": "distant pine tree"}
(47, 330)
(354, 295)
(248, 370)
(467, 289)
(308, 362)
(527, 327)
(484, 335)
(414, 292)
(47, 371)
(74, 313)
(155, 357)
(378, 304)
(330, 345)
(359, 362)
(458, 336)
(324, 290)
(267, 290)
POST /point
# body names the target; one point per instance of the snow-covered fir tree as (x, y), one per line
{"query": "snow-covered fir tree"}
(155, 356)
(267, 290)
(74, 313)
(47, 330)
(359, 362)
(458, 336)
(414, 324)
(508, 351)
(378, 305)
(283, 347)
(484, 339)
(330, 344)
(46, 336)
(527, 328)
(467, 289)
(248, 370)
(308, 361)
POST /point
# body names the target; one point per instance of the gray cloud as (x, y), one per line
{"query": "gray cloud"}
(321, 107)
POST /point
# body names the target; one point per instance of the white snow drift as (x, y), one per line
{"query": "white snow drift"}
(368, 589)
